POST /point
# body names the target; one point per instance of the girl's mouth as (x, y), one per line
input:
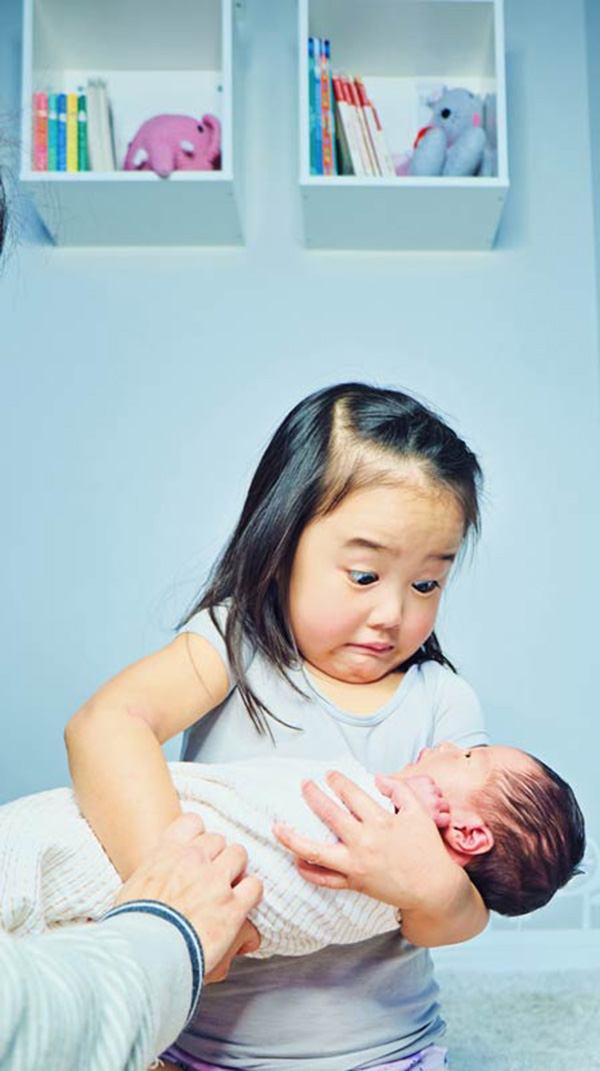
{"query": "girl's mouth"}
(372, 648)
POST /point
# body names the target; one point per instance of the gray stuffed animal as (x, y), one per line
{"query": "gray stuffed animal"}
(456, 142)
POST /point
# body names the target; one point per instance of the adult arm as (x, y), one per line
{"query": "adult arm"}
(120, 776)
(108, 996)
(397, 858)
(111, 995)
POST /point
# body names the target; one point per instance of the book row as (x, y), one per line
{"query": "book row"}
(346, 136)
(73, 131)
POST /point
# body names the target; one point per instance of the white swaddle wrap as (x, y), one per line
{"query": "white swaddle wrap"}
(53, 870)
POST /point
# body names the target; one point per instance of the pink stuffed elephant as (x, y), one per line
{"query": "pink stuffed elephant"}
(169, 143)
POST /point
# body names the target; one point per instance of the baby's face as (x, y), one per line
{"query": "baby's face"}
(460, 773)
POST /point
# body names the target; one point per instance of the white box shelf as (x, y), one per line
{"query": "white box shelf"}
(404, 48)
(156, 57)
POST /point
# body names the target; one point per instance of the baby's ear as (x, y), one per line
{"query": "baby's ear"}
(468, 838)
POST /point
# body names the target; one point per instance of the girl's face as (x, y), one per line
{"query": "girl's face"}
(367, 578)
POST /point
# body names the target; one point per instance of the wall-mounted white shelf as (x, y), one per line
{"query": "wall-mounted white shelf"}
(156, 57)
(402, 47)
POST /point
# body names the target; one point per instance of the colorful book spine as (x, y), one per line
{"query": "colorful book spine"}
(317, 97)
(62, 132)
(93, 128)
(312, 108)
(82, 135)
(325, 98)
(359, 162)
(72, 135)
(383, 147)
(108, 151)
(369, 161)
(363, 101)
(344, 154)
(52, 132)
(40, 131)
(336, 169)
(378, 138)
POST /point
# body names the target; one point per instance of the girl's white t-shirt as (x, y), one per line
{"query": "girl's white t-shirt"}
(343, 1007)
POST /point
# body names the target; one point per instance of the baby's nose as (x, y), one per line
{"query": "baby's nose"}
(446, 745)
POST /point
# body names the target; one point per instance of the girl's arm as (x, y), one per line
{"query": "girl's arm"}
(119, 772)
(399, 859)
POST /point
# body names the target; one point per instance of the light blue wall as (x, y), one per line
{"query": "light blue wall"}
(140, 387)
(592, 15)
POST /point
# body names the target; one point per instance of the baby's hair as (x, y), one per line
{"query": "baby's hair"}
(338, 440)
(539, 839)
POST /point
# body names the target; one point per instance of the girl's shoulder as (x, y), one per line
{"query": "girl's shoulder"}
(454, 706)
(210, 624)
(434, 676)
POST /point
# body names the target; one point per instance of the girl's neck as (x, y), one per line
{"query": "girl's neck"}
(359, 699)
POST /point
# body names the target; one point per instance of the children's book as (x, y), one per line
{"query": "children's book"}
(369, 160)
(326, 111)
(52, 132)
(342, 131)
(312, 107)
(62, 132)
(358, 150)
(72, 150)
(369, 124)
(40, 131)
(94, 135)
(316, 75)
(82, 139)
(386, 160)
(108, 149)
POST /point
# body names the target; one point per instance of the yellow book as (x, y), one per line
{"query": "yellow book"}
(72, 133)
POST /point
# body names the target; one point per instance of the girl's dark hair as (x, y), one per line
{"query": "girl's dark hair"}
(335, 441)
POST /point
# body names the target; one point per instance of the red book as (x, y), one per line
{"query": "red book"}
(369, 159)
(326, 106)
(343, 132)
(40, 131)
(359, 152)
(363, 100)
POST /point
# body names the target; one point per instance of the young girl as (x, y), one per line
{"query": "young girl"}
(315, 635)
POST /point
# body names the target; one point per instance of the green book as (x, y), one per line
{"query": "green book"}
(52, 132)
(82, 134)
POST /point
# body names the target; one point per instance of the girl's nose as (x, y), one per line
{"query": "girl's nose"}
(387, 614)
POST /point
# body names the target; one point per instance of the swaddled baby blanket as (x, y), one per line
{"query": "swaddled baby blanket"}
(53, 870)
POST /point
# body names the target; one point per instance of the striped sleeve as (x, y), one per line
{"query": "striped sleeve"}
(107, 997)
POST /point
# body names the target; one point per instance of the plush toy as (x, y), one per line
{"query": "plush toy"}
(169, 143)
(455, 143)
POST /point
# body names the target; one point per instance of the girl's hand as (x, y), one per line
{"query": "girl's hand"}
(399, 859)
(426, 791)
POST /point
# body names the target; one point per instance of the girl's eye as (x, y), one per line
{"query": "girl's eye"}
(425, 587)
(467, 754)
(357, 576)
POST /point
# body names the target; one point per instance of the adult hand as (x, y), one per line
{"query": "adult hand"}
(399, 858)
(426, 791)
(202, 877)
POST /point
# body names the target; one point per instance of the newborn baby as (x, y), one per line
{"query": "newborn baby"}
(503, 815)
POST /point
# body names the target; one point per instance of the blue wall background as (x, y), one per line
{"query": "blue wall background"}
(139, 388)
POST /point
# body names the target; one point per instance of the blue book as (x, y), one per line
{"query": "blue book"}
(52, 132)
(62, 132)
(316, 82)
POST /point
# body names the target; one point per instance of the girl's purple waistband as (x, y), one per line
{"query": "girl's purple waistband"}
(432, 1058)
